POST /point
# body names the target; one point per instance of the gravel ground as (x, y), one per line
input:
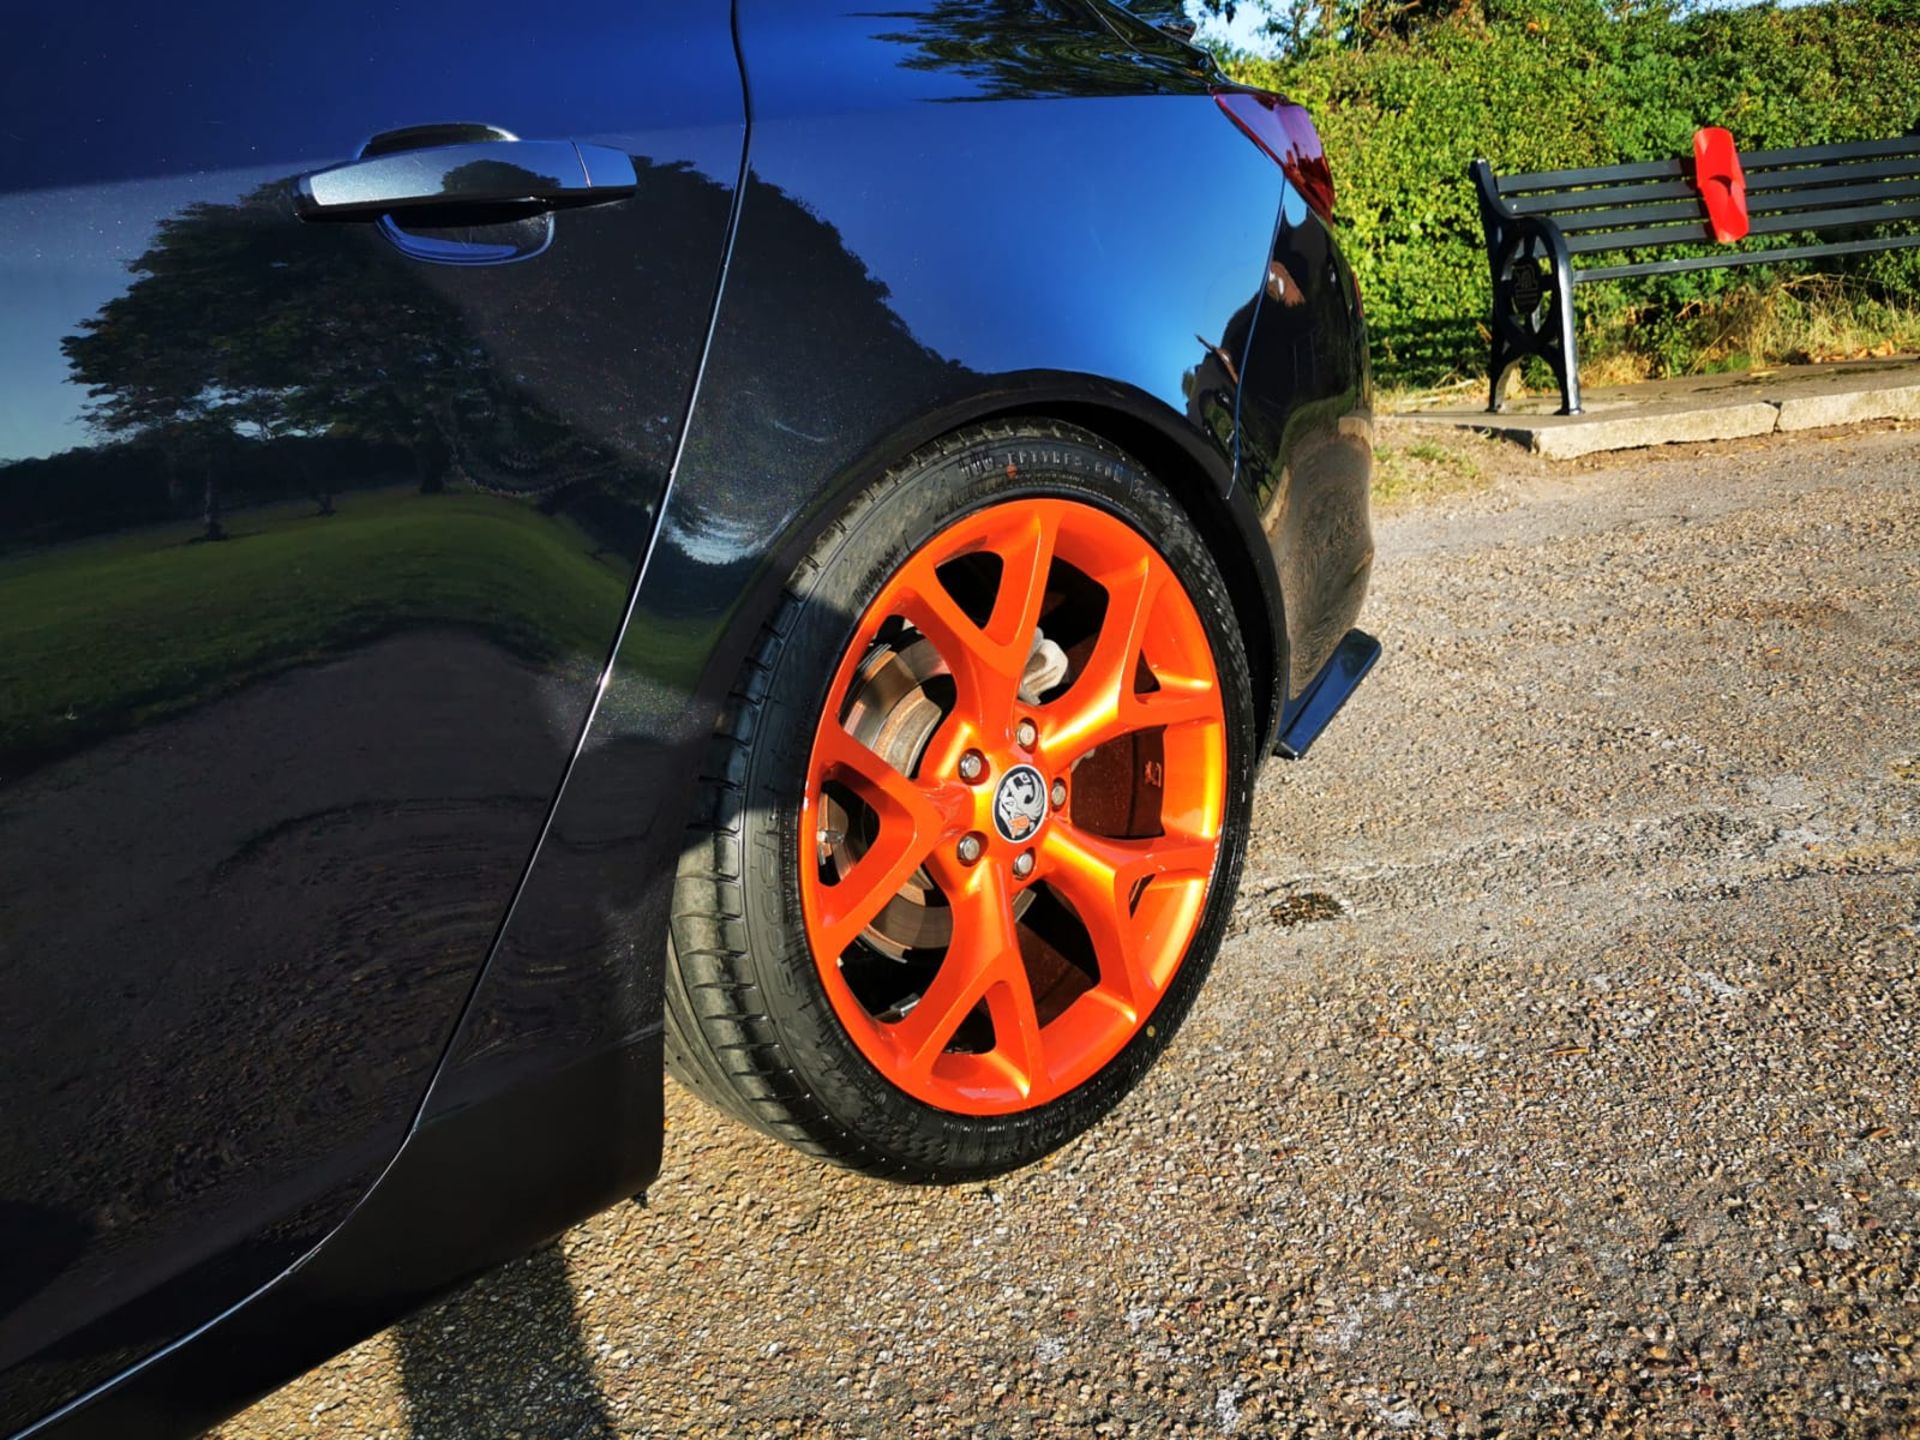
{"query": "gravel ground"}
(1559, 1077)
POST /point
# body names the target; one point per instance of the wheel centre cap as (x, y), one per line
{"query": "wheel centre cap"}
(1020, 803)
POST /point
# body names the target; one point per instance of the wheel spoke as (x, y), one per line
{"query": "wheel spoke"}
(1102, 704)
(842, 757)
(979, 956)
(987, 662)
(1097, 706)
(1098, 875)
(1089, 876)
(1026, 563)
(955, 735)
(911, 824)
(1175, 703)
(1016, 1025)
(983, 686)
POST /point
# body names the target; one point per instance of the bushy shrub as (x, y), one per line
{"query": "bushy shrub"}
(1554, 84)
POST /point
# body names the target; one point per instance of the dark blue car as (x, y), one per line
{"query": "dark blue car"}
(539, 540)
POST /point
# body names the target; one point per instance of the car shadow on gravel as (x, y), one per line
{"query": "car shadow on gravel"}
(505, 1347)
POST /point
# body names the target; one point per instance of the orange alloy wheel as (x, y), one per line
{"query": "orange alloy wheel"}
(1013, 806)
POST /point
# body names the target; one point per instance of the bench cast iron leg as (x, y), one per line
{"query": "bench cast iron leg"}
(1565, 358)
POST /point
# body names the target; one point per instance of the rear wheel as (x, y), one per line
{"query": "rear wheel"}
(974, 818)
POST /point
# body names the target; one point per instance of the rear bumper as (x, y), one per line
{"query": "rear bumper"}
(1306, 446)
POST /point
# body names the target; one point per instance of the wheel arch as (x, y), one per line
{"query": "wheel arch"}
(1193, 467)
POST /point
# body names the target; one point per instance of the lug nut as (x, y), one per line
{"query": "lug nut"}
(971, 847)
(1059, 794)
(973, 765)
(1026, 732)
(1023, 864)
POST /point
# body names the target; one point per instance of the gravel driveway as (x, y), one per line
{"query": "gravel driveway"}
(1560, 1076)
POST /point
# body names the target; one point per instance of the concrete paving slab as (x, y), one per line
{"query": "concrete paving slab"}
(1850, 407)
(1566, 437)
(1695, 408)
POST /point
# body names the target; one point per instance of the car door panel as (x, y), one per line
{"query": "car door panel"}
(311, 554)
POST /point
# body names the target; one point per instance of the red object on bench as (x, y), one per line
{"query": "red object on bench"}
(1721, 182)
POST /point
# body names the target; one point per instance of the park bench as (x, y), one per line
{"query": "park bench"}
(1850, 195)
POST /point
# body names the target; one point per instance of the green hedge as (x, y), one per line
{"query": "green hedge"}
(1549, 84)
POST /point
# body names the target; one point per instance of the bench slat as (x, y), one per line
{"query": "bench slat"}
(1562, 179)
(1602, 195)
(1814, 154)
(1833, 174)
(1642, 237)
(1639, 238)
(1821, 186)
(1638, 215)
(1776, 169)
(1745, 257)
(1834, 219)
(1822, 197)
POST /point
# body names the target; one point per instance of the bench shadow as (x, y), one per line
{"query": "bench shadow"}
(503, 1355)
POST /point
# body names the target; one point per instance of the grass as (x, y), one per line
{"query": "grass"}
(1798, 320)
(1423, 470)
(1801, 320)
(101, 635)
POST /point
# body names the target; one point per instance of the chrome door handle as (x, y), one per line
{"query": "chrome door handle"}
(543, 174)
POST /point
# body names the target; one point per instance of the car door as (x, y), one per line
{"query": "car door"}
(321, 496)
